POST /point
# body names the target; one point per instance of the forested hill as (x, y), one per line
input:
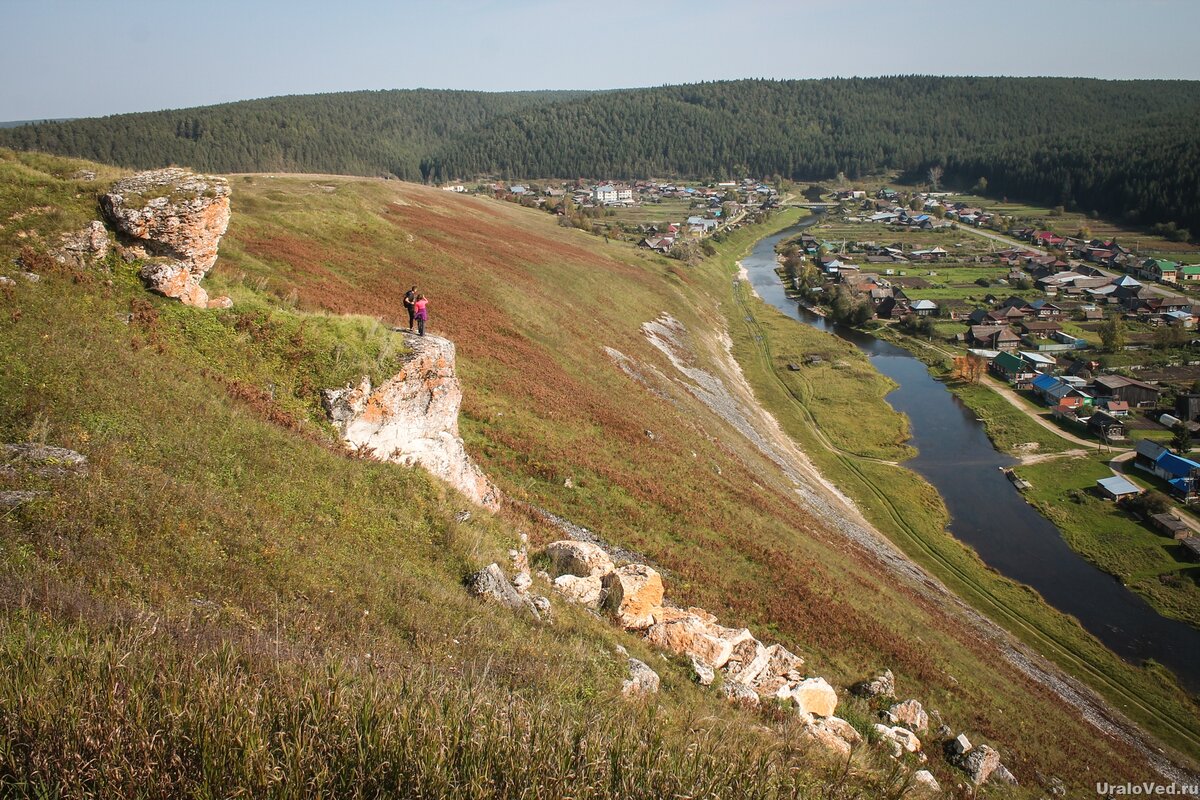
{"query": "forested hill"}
(1129, 148)
(1126, 149)
(351, 133)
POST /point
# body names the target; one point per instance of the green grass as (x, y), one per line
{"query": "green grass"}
(1007, 426)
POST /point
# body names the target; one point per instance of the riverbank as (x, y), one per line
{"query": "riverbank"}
(1063, 475)
(906, 508)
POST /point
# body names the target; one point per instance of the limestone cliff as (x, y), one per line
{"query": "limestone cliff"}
(413, 418)
(176, 218)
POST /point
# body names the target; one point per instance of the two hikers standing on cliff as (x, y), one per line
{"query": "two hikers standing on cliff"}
(415, 304)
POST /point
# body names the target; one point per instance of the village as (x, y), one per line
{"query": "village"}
(670, 218)
(1090, 338)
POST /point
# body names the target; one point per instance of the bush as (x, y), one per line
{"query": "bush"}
(1148, 503)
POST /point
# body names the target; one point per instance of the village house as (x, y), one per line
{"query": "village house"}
(1136, 393)
(993, 337)
(1050, 389)
(1039, 329)
(1181, 474)
(1106, 426)
(1015, 370)
(609, 194)
(924, 308)
(1158, 269)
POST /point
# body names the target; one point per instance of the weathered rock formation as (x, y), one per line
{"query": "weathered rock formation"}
(413, 418)
(910, 714)
(41, 460)
(85, 246)
(583, 572)
(176, 218)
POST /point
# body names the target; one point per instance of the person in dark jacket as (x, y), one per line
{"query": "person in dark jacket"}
(410, 303)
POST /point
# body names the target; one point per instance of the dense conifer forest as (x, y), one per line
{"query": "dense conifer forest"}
(1124, 149)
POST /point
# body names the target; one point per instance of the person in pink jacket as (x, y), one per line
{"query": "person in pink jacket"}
(421, 312)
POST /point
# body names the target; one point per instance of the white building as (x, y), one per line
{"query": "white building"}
(608, 194)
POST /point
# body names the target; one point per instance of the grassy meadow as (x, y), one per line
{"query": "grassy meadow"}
(227, 603)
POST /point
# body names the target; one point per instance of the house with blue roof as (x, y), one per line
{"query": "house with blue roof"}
(1181, 474)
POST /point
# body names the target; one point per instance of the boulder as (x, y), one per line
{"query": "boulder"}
(782, 668)
(814, 696)
(581, 591)
(492, 584)
(909, 714)
(958, 746)
(687, 634)
(632, 592)
(541, 606)
(979, 763)
(822, 736)
(739, 693)
(704, 673)
(841, 728)
(1002, 774)
(903, 737)
(880, 685)
(84, 247)
(924, 785)
(642, 679)
(748, 660)
(584, 559)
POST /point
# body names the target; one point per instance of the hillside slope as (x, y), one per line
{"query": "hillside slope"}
(227, 599)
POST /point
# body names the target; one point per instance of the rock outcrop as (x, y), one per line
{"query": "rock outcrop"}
(176, 218)
(41, 460)
(83, 247)
(413, 418)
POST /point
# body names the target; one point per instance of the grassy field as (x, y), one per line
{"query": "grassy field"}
(661, 214)
(227, 601)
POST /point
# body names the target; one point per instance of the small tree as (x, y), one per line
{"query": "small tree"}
(935, 176)
(980, 186)
(1181, 442)
(1112, 334)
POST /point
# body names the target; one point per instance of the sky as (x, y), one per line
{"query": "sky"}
(82, 58)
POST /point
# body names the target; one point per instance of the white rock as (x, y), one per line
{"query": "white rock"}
(814, 696)
(583, 559)
(581, 591)
(642, 679)
(413, 418)
(924, 784)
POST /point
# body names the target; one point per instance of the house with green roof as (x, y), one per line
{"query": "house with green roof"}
(1013, 369)
(1189, 273)
(1159, 269)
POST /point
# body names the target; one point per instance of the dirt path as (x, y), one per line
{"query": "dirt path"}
(843, 515)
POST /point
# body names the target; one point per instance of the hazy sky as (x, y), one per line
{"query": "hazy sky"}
(75, 58)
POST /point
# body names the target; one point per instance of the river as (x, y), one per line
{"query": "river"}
(986, 511)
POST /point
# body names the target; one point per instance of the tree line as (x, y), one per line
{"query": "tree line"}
(1124, 149)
